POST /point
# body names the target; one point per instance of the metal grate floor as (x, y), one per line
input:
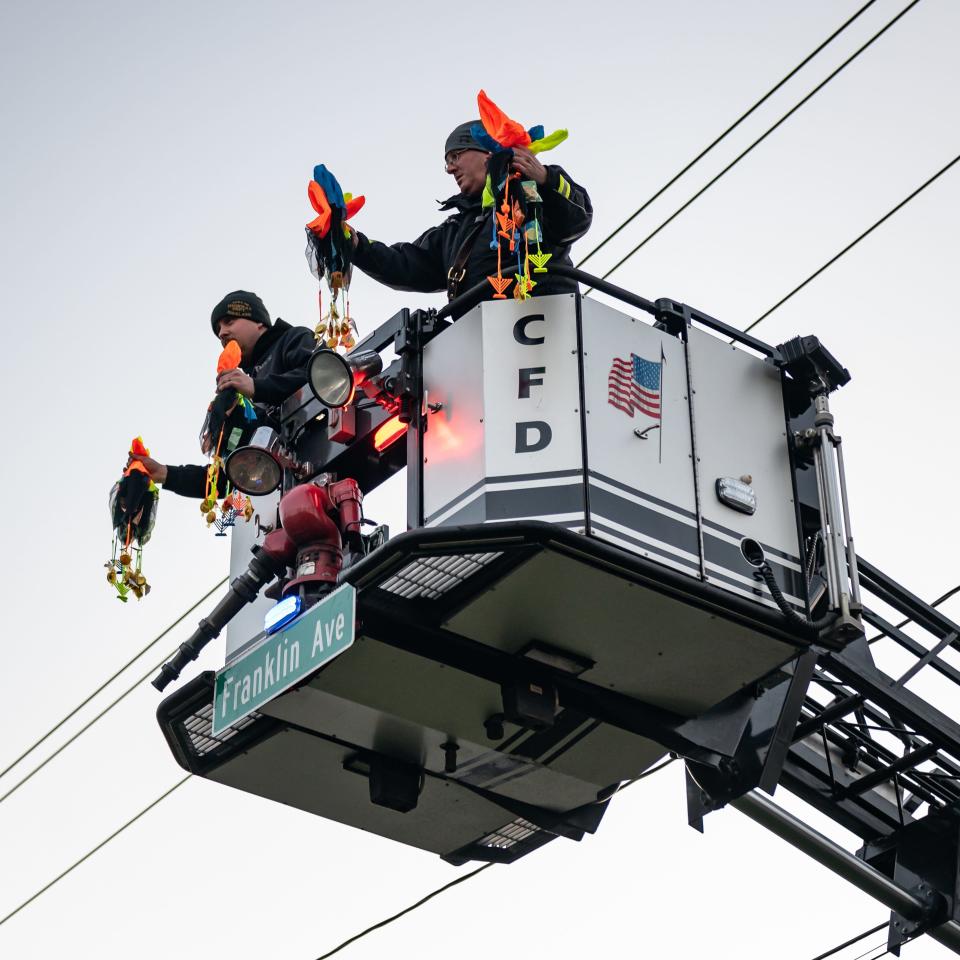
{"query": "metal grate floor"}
(199, 729)
(511, 834)
(431, 577)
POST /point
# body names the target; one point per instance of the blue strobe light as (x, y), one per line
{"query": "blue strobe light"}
(280, 614)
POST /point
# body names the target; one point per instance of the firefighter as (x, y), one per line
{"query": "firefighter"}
(457, 254)
(273, 366)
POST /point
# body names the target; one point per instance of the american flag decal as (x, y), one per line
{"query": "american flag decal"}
(634, 385)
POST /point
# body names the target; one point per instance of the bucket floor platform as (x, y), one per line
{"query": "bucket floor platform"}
(641, 658)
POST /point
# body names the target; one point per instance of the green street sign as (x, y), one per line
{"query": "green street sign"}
(284, 658)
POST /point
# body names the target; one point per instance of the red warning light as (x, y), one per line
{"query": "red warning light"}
(387, 433)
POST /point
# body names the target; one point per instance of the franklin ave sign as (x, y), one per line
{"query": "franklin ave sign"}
(285, 658)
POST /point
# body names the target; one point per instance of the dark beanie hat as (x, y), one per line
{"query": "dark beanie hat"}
(462, 139)
(240, 303)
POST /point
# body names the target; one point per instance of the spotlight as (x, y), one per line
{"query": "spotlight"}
(334, 378)
(256, 468)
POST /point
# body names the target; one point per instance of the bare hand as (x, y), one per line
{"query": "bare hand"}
(236, 380)
(157, 471)
(528, 166)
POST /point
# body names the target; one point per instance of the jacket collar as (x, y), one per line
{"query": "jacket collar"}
(462, 203)
(270, 336)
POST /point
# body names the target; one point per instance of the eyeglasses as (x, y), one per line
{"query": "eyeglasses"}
(452, 157)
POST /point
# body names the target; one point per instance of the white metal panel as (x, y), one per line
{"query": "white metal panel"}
(248, 623)
(507, 443)
(547, 393)
(642, 493)
(741, 432)
(453, 443)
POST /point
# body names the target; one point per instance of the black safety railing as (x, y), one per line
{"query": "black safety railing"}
(870, 751)
(671, 313)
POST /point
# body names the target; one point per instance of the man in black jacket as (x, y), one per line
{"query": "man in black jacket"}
(273, 366)
(456, 255)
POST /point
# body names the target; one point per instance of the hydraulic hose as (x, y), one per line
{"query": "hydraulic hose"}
(754, 555)
(781, 601)
(263, 568)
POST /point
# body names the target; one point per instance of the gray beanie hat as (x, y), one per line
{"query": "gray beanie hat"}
(462, 139)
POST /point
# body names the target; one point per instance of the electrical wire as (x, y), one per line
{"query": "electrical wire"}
(109, 680)
(856, 939)
(396, 916)
(99, 846)
(352, 939)
(760, 139)
(852, 244)
(643, 776)
(876, 946)
(733, 126)
(63, 746)
(468, 876)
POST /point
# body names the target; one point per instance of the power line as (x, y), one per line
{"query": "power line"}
(99, 846)
(396, 916)
(860, 936)
(736, 123)
(108, 681)
(63, 746)
(468, 876)
(136, 683)
(760, 139)
(852, 244)
(876, 946)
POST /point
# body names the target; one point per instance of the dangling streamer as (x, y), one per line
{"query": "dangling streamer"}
(516, 217)
(133, 512)
(231, 418)
(330, 255)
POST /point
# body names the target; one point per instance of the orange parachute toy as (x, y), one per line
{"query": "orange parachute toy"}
(517, 221)
(230, 418)
(133, 512)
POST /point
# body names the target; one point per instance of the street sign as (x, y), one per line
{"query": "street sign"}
(285, 658)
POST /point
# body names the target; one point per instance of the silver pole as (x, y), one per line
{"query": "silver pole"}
(833, 577)
(836, 546)
(843, 863)
(851, 551)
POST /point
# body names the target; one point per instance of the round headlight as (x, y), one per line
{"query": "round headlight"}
(253, 471)
(330, 378)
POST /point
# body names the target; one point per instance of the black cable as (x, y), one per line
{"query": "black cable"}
(396, 916)
(108, 681)
(466, 876)
(99, 846)
(861, 936)
(643, 776)
(736, 123)
(876, 946)
(850, 246)
(760, 139)
(766, 571)
(63, 746)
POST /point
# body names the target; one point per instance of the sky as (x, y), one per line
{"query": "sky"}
(157, 157)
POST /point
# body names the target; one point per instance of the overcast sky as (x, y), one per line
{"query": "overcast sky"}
(157, 156)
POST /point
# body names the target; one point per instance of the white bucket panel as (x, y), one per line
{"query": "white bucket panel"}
(248, 623)
(508, 440)
(506, 444)
(741, 432)
(642, 494)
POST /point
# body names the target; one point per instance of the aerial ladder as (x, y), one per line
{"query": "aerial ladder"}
(628, 537)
